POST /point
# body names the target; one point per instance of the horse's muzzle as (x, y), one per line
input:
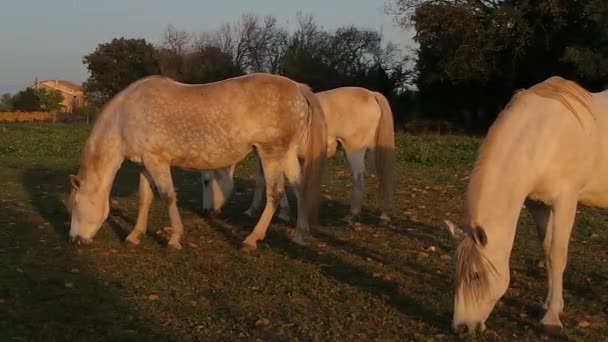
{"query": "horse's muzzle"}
(79, 240)
(469, 328)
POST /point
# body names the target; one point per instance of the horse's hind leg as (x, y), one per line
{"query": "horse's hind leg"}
(543, 218)
(273, 173)
(284, 208)
(161, 174)
(146, 195)
(258, 191)
(258, 197)
(293, 172)
(356, 161)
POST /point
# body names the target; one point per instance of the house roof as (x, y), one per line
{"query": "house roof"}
(63, 83)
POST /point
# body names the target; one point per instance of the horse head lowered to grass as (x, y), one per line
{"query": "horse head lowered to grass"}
(161, 123)
(548, 150)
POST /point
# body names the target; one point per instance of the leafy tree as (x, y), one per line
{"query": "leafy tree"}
(38, 99)
(115, 65)
(474, 53)
(6, 102)
(210, 64)
(346, 56)
(49, 99)
(26, 100)
(190, 61)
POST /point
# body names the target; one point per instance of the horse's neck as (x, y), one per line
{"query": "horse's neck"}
(496, 207)
(500, 184)
(101, 159)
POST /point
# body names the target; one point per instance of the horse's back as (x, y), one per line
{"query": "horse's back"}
(549, 130)
(352, 115)
(210, 123)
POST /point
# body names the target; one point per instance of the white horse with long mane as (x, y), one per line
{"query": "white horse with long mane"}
(548, 150)
(361, 121)
(162, 123)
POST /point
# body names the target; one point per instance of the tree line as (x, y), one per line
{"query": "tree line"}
(324, 59)
(32, 100)
(471, 55)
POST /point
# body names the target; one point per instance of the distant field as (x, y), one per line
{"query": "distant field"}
(361, 283)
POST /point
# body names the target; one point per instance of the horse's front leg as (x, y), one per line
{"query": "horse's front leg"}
(161, 174)
(564, 212)
(146, 195)
(543, 218)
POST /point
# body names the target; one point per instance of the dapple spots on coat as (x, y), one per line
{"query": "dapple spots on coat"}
(163, 123)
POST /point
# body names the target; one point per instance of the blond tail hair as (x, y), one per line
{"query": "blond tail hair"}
(384, 154)
(315, 158)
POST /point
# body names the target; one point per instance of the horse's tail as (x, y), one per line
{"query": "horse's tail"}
(384, 153)
(315, 155)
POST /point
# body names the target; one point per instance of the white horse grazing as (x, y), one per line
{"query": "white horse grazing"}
(548, 149)
(159, 122)
(362, 121)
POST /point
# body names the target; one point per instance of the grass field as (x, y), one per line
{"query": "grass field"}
(367, 282)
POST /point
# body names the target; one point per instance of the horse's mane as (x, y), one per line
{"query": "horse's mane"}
(473, 271)
(566, 92)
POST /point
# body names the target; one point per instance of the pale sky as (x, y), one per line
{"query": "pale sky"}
(47, 39)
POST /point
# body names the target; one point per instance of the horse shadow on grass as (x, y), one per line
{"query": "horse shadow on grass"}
(49, 289)
(48, 190)
(232, 226)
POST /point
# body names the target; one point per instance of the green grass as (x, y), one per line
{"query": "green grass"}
(368, 282)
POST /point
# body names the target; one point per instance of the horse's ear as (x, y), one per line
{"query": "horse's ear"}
(457, 233)
(480, 236)
(75, 181)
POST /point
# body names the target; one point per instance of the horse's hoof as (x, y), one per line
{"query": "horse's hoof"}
(298, 240)
(552, 329)
(175, 245)
(249, 213)
(349, 219)
(385, 218)
(132, 240)
(248, 247)
(283, 217)
(214, 213)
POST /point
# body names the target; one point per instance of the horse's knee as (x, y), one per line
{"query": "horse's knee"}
(359, 180)
(275, 197)
(168, 196)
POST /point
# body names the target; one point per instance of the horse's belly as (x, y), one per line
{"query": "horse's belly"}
(597, 198)
(209, 160)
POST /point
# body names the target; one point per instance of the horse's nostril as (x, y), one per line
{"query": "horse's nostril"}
(76, 240)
